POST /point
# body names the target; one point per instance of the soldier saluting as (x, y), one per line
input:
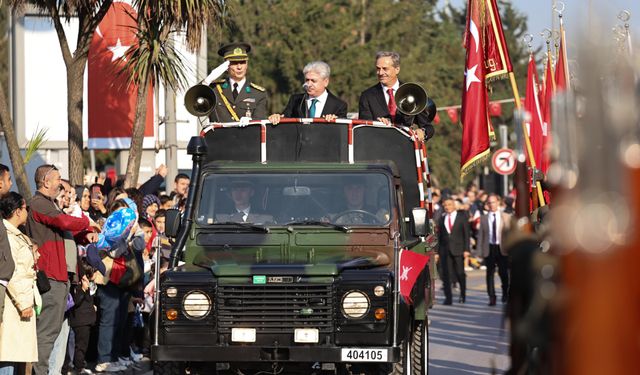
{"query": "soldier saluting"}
(236, 96)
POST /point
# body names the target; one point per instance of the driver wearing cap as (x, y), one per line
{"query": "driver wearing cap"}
(236, 96)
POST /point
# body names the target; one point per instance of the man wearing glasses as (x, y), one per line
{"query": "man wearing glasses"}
(492, 226)
(45, 225)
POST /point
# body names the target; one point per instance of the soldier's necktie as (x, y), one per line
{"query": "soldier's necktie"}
(392, 104)
(235, 90)
(494, 236)
(312, 108)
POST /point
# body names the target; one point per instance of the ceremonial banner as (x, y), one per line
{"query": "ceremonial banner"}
(545, 103)
(411, 265)
(562, 67)
(497, 60)
(475, 119)
(112, 100)
(532, 106)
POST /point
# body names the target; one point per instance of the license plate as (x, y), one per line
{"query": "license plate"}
(363, 355)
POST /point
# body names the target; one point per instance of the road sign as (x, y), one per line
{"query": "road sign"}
(504, 161)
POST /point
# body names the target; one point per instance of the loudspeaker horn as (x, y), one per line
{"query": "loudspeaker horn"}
(200, 100)
(411, 99)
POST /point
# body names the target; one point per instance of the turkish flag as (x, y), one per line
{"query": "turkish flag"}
(532, 106)
(475, 119)
(562, 69)
(453, 115)
(411, 265)
(112, 100)
(545, 104)
(498, 62)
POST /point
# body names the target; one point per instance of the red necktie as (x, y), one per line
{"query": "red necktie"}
(392, 104)
(449, 223)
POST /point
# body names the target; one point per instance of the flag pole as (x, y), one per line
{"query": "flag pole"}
(527, 141)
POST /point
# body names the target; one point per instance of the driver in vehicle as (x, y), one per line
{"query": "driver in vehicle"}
(242, 191)
(357, 211)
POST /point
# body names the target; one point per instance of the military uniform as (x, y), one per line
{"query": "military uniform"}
(251, 100)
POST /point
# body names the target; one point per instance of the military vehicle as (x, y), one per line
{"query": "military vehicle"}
(304, 249)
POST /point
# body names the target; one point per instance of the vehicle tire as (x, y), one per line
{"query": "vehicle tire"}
(168, 368)
(419, 348)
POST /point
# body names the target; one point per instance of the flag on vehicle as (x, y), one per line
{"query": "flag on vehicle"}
(411, 265)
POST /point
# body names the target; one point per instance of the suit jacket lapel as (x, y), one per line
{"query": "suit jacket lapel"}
(379, 95)
(330, 105)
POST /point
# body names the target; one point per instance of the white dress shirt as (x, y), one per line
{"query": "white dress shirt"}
(386, 94)
(322, 99)
(240, 84)
(453, 220)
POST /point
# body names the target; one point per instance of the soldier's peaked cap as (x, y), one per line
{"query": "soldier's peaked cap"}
(235, 51)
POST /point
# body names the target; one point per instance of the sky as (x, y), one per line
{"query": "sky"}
(576, 16)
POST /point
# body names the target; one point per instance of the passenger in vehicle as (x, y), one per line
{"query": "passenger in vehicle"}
(356, 210)
(241, 193)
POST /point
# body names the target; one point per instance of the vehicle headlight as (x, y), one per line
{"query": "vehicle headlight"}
(196, 305)
(355, 304)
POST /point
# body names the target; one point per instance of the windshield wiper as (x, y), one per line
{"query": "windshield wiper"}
(257, 228)
(341, 228)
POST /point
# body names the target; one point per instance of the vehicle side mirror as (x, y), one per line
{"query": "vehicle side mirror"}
(420, 221)
(172, 222)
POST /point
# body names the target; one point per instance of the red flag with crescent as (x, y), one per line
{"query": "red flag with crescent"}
(545, 103)
(111, 99)
(475, 118)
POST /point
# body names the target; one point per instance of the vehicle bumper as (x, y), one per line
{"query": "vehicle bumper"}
(256, 353)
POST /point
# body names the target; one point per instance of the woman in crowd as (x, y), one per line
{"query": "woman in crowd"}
(18, 342)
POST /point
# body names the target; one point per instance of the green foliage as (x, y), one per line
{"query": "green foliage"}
(38, 138)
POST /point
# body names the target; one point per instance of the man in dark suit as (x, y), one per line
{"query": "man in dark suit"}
(490, 235)
(317, 100)
(378, 102)
(453, 247)
(242, 192)
(236, 96)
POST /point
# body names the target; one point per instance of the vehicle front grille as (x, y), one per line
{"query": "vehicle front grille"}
(275, 308)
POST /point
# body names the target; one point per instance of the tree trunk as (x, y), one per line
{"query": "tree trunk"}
(75, 90)
(135, 152)
(17, 162)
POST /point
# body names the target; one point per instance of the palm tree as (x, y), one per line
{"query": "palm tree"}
(89, 14)
(155, 59)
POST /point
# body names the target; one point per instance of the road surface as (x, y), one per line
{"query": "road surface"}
(468, 338)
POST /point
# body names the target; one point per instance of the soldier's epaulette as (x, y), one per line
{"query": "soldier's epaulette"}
(219, 81)
(259, 88)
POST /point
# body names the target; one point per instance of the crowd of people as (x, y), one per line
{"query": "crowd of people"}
(470, 225)
(77, 269)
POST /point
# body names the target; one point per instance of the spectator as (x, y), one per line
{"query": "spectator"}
(166, 202)
(98, 210)
(18, 340)
(152, 186)
(150, 205)
(6, 260)
(45, 225)
(181, 184)
(83, 316)
(160, 220)
(136, 196)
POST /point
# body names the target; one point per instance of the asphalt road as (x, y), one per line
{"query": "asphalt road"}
(468, 338)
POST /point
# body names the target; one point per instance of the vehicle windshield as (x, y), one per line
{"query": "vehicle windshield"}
(341, 199)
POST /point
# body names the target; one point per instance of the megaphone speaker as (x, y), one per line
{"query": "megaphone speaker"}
(411, 99)
(200, 100)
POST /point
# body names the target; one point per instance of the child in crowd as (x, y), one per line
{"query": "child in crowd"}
(83, 315)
